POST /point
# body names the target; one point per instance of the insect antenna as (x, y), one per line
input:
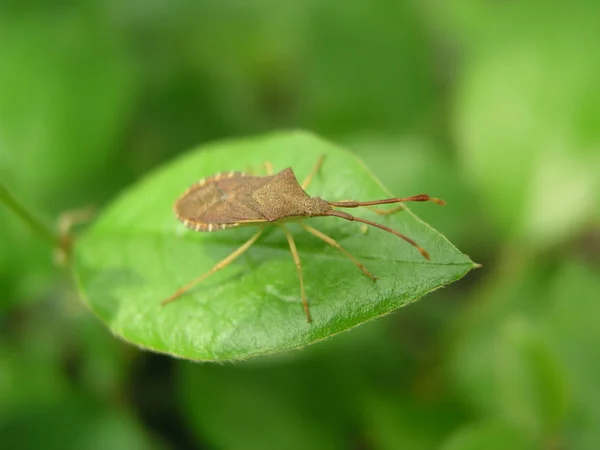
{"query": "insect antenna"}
(414, 198)
(345, 215)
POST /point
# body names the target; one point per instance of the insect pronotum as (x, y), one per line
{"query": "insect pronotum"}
(234, 199)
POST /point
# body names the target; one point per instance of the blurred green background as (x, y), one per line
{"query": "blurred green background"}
(493, 106)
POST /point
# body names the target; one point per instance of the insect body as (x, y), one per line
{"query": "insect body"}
(235, 199)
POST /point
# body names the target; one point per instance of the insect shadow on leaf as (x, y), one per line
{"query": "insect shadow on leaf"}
(235, 199)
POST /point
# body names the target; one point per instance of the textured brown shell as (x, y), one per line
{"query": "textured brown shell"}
(231, 199)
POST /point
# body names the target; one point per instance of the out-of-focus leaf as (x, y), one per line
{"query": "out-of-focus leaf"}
(52, 349)
(31, 370)
(502, 361)
(73, 423)
(399, 421)
(64, 96)
(65, 89)
(491, 435)
(271, 406)
(37, 375)
(273, 64)
(532, 387)
(101, 358)
(26, 265)
(572, 328)
(382, 80)
(526, 137)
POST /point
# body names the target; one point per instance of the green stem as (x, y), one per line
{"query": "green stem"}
(35, 224)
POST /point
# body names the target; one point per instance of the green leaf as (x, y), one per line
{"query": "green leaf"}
(137, 254)
(75, 422)
(531, 381)
(502, 362)
(390, 89)
(64, 97)
(396, 421)
(53, 82)
(272, 404)
(527, 140)
(571, 325)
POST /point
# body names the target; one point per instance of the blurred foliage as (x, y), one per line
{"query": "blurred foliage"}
(493, 106)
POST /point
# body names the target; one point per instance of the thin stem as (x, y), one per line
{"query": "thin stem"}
(34, 223)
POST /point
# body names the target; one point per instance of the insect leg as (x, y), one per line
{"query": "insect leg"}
(216, 268)
(296, 257)
(306, 182)
(267, 166)
(329, 240)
